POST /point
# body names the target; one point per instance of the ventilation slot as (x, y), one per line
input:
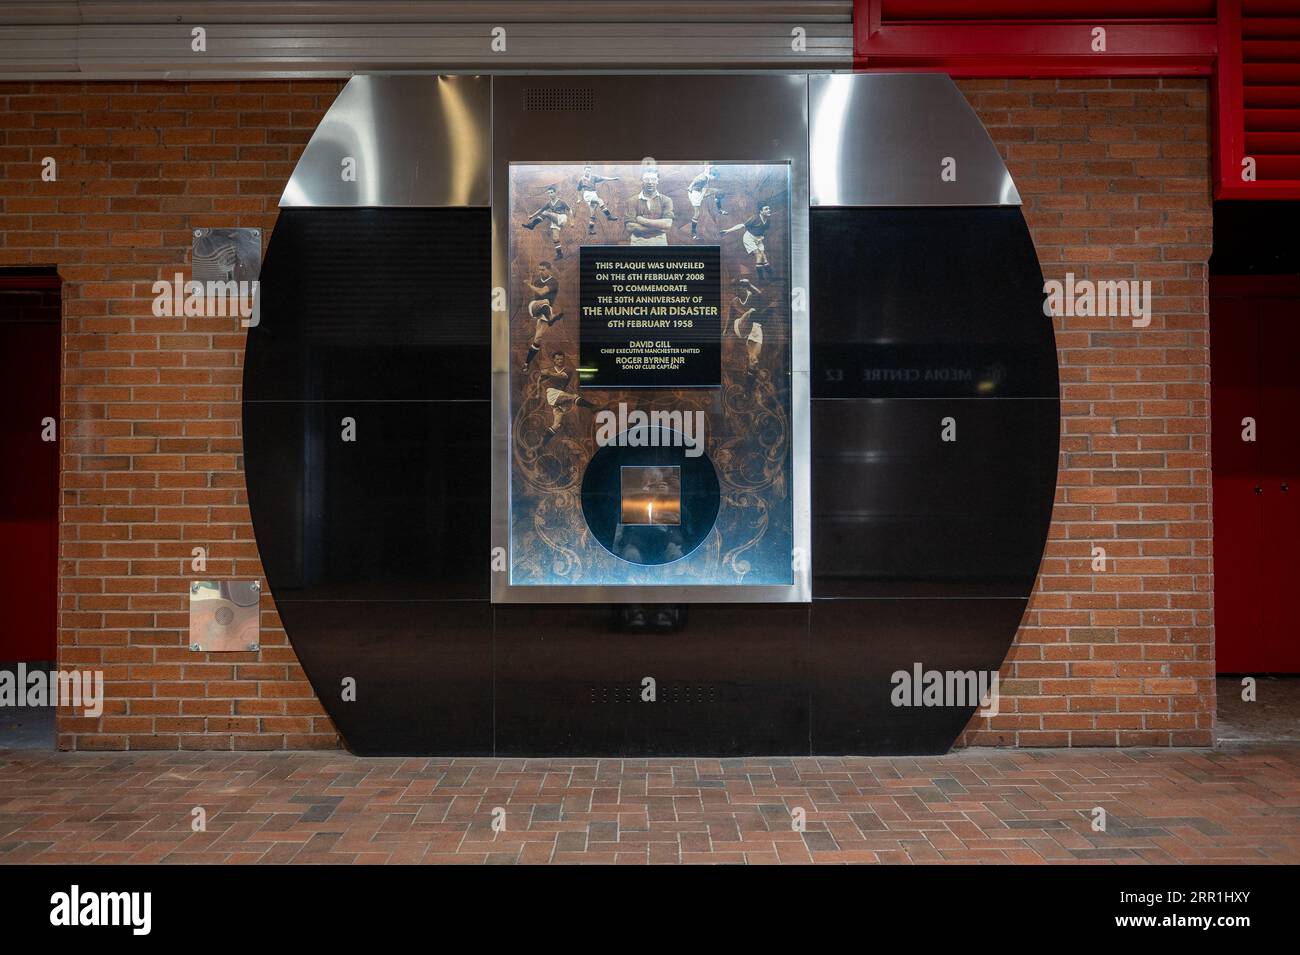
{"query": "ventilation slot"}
(694, 693)
(559, 99)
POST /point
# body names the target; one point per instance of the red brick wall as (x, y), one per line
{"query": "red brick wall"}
(150, 425)
(1115, 177)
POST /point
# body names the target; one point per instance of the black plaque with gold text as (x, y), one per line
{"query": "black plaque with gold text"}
(650, 316)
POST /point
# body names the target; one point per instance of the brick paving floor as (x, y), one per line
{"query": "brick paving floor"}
(1238, 804)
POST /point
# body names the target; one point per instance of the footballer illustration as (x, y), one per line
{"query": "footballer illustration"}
(541, 308)
(649, 213)
(748, 305)
(561, 391)
(756, 227)
(556, 213)
(704, 186)
(587, 184)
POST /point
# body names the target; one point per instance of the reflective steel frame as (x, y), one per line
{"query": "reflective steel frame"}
(722, 117)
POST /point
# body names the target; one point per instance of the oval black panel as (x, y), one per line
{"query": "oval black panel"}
(925, 550)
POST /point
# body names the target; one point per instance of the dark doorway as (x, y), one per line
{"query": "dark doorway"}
(1255, 441)
(30, 317)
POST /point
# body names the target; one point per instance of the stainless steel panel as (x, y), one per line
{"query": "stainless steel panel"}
(255, 38)
(448, 11)
(879, 139)
(672, 118)
(38, 51)
(416, 140)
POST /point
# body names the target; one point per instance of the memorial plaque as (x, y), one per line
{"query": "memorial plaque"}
(650, 378)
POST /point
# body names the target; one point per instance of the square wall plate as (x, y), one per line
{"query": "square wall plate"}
(225, 615)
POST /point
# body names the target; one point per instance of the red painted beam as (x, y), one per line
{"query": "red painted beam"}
(1038, 9)
(1033, 46)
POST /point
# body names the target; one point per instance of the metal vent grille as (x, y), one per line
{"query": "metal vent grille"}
(667, 693)
(559, 99)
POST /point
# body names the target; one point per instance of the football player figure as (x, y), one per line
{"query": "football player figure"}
(542, 307)
(587, 184)
(649, 213)
(561, 393)
(699, 189)
(747, 306)
(556, 212)
(756, 227)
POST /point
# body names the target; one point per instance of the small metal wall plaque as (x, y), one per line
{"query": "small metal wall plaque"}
(225, 615)
(225, 255)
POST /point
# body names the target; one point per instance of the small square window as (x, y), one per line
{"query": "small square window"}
(651, 495)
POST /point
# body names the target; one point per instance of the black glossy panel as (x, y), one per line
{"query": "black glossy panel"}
(730, 682)
(1255, 237)
(403, 512)
(899, 512)
(388, 304)
(423, 671)
(857, 645)
(927, 303)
